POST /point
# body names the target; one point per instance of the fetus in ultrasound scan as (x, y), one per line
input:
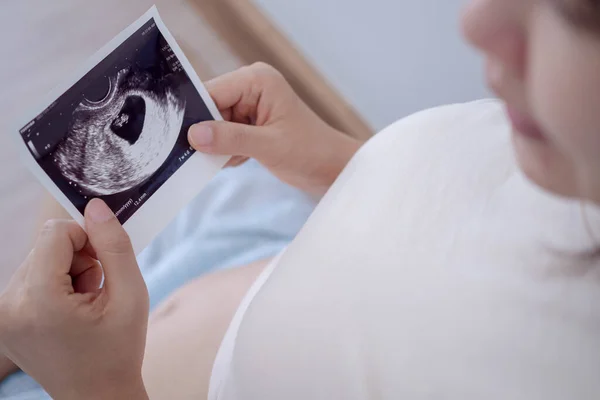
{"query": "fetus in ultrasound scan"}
(118, 142)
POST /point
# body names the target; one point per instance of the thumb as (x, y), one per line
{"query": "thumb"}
(232, 139)
(113, 249)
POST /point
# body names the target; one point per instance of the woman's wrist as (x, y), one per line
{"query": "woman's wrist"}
(340, 154)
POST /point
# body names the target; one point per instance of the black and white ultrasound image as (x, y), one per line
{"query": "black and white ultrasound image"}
(121, 131)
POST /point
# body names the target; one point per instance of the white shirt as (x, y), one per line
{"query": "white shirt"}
(432, 269)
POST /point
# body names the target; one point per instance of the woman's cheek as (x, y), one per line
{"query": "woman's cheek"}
(564, 94)
(567, 99)
(553, 84)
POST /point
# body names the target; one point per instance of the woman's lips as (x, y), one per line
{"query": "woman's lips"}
(525, 125)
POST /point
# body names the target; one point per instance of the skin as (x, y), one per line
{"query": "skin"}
(543, 60)
(198, 315)
(542, 57)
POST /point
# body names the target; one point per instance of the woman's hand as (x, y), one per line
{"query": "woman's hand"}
(79, 341)
(269, 122)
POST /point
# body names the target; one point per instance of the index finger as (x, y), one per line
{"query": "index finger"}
(226, 90)
(241, 86)
(53, 253)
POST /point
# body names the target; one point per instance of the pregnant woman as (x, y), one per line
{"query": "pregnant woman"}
(453, 256)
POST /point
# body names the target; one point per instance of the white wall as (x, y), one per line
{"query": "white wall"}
(389, 58)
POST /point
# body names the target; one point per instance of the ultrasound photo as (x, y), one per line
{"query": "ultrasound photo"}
(120, 131)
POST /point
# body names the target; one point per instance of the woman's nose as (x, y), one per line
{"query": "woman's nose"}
(498, 29)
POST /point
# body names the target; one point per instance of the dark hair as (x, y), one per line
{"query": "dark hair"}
(577, 263)
(593, 256)
(584, 14)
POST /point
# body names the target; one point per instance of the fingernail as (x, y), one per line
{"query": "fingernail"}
(201, 135)
(98, 211)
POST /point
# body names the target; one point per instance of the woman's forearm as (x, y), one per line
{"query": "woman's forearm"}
(342, 153)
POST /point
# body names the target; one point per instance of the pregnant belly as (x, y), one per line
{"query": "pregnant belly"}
(185, 332)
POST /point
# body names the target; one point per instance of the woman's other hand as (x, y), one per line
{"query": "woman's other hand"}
(267, 121)
(76, 339)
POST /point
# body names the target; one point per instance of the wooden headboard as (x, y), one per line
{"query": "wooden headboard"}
(253, 37)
